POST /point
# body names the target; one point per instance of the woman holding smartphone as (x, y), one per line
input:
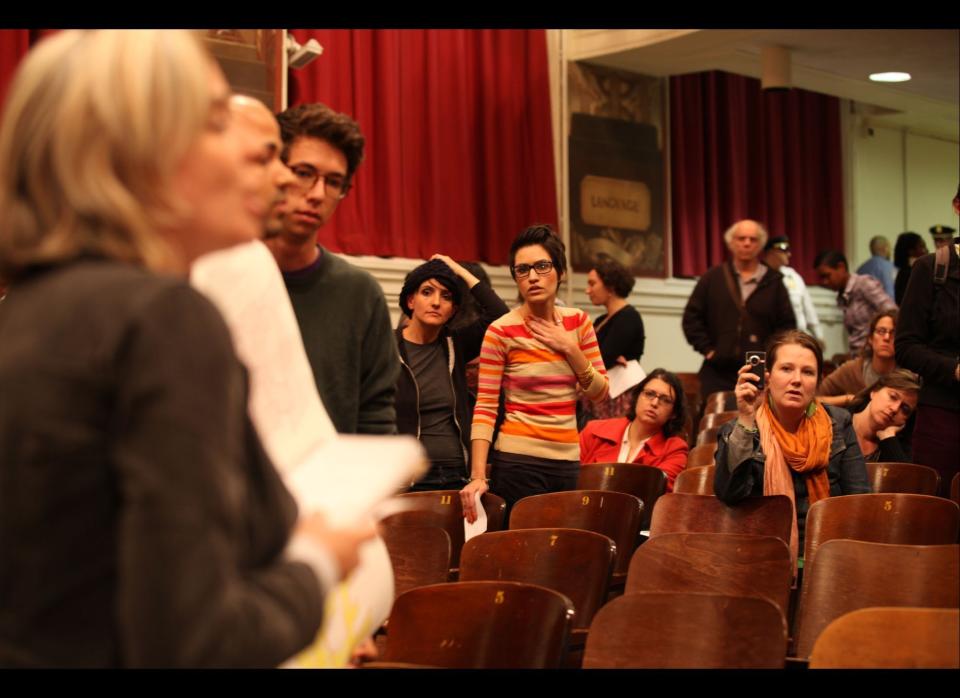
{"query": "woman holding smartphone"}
(784, 440)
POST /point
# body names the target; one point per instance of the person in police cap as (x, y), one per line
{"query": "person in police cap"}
(942, 234)
(776, 255)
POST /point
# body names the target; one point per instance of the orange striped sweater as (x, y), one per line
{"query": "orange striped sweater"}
(540, 388)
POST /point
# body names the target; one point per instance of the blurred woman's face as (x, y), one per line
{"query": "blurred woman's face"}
(655, 403)
(881, 340)
(792, 379)
(891, 407)
(223, 206)
(597, 291)
(535, 287)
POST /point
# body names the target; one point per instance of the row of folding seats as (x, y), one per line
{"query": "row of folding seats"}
(543, 556)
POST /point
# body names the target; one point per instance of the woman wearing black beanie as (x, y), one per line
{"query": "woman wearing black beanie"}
(432, 399)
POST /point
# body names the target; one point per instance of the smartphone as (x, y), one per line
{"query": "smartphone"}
(758, 364)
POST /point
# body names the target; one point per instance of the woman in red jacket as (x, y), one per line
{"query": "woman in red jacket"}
(649, 434)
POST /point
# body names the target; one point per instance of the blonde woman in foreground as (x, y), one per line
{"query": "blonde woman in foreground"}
(141, 523)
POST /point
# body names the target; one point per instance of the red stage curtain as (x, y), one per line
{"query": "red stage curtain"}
(459, 154)
(14, 44)
(739, 152)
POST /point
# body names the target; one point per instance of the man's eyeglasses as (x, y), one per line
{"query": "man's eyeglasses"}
(522, 271)
(335, 186)
(884, 332)
(651, 395)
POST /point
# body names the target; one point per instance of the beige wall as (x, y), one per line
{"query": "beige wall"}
(900, 181)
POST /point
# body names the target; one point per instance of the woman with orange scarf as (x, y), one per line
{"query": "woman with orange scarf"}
(784, 441)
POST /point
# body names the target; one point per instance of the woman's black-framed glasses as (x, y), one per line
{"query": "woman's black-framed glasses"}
(522, 271)
(651, 395)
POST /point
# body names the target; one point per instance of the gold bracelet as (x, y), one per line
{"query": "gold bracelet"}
(586, 377)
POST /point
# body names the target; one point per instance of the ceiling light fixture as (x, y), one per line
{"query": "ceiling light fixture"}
(890, 77)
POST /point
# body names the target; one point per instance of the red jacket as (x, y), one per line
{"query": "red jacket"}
(600, 443)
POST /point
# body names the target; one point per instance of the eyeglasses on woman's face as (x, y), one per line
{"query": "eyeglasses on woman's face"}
(652, 396)
(542, 267)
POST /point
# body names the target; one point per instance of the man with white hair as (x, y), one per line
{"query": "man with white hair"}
(735, 307)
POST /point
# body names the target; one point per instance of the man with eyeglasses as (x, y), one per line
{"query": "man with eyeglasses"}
(776, 255)
(735, 307)
(341, 309)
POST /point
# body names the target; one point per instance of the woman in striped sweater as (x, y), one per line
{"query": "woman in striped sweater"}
(543, 356)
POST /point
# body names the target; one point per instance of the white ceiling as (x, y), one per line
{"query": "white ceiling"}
(829, 61)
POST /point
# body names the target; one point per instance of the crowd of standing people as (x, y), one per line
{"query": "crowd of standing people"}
(143, 520)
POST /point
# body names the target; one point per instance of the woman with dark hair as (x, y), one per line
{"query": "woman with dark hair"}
(908, 249)
(881, 411)
(432, 401)
(785, 441)
(619, 330)
(876, 359)
(543, 356)
(648, 434)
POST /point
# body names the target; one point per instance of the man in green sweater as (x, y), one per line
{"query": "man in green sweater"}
(340, 309)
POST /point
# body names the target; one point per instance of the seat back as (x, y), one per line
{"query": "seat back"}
(613, 514)
(693, 513)
(645, 482)
(716, 419)
(708, 436)
(849, 574)
(722, 401)
(907, 519)
(442, 508)
(907, 478)
(720, 563)
(575, 563)
(686, 630)
(480, 625)
(702, 455)
(695, 481)
(420, 555)
(890, 638)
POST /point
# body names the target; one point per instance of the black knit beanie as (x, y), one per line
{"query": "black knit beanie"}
(434, 269)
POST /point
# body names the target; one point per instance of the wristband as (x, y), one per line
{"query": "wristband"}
(747, 429)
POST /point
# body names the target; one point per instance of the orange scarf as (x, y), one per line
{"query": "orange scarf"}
(806, 451)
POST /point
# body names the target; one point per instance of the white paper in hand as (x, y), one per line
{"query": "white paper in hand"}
(348, 476)
(480, 525)
(622, 378)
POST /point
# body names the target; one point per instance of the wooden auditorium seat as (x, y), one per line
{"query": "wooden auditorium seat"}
(695, 513)
(614, 514)
(575, 563)
(420, 555)
(720, 563)
(480, 625)
(890, 638)
(442, 508)
(716, 419)
(906, 478)
(673, 630)
(847, 575)
(695, 481)
(645, 482)
(701, 455)
(906, 519)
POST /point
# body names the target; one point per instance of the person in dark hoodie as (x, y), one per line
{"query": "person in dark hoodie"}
(432, 400)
